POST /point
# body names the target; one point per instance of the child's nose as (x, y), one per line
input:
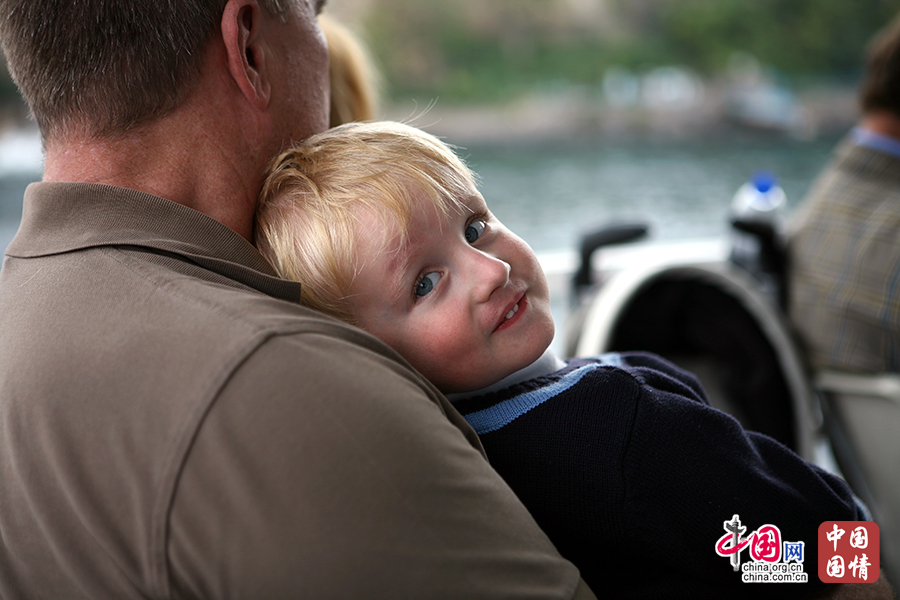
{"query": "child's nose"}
(490, 274)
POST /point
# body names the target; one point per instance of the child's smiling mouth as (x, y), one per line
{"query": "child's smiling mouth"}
(513, 314)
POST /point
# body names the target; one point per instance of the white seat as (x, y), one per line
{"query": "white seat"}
(862, 414)
(640, 295)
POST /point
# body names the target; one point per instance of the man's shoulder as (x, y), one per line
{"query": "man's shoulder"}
(226, 326)
(857, 181)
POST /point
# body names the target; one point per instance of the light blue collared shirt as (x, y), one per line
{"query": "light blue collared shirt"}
(876, 141)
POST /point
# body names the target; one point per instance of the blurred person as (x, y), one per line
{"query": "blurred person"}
(844, 288)
(174, 424)
(354, 79)
(620, 458)
(844, 240)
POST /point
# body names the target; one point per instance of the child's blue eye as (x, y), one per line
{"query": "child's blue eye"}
(427, 283)
(474, 230)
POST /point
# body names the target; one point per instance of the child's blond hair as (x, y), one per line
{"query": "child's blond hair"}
(317, 195)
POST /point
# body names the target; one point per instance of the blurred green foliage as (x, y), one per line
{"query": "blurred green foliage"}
(797, 38)
(480, 51)
(476, 51)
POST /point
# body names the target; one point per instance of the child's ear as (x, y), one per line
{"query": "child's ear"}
(242, 33)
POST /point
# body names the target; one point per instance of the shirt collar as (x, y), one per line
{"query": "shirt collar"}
(548, 363)
(65, 217)
(876, 141)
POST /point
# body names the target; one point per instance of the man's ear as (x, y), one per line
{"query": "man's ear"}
(241, 33)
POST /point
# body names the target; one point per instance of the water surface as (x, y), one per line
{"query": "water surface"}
(552, 194)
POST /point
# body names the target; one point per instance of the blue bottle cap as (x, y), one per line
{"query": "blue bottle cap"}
(764, 181)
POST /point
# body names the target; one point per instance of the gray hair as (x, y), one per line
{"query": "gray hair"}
(107, 66)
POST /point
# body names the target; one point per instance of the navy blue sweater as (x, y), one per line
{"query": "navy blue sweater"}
(632, 474)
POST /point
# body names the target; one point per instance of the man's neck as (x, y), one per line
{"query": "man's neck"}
(189, 157)
(882, 122)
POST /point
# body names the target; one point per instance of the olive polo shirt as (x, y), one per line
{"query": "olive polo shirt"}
(173, 424)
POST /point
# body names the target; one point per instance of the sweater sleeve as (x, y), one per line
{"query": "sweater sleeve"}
(689, 468)
(632, 474)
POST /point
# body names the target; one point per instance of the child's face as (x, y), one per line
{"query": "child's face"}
(465, 302)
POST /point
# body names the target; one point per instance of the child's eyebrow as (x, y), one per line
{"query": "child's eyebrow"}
(399, 263)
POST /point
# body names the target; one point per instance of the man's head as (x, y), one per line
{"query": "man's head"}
(104, 67)
(881, 86)
(384, 228)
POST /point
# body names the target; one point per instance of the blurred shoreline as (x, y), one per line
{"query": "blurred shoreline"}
(573, 116)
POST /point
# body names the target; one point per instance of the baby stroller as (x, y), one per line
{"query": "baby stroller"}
(721, 316)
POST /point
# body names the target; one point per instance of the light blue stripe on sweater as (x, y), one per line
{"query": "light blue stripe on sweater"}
(504, 413)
